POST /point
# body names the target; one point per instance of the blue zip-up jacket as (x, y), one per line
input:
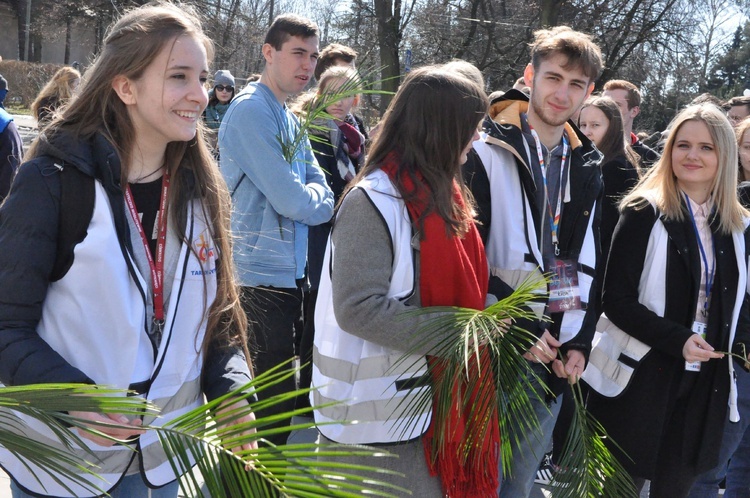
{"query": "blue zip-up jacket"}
(273, 201)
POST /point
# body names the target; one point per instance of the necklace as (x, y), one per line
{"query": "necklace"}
(141, 178)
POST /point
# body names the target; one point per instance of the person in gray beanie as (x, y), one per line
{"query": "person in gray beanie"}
(219, 98)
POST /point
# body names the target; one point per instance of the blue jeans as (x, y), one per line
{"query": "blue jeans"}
(131, 486)
(531, 447)
(735, 445)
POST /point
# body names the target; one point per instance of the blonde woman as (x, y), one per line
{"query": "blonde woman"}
(55, 94)
(676, 280)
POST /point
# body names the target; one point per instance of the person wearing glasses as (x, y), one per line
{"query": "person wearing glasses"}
(219, 99)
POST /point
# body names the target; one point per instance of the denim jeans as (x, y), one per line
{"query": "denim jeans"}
(131, 486)
(735, 445)
(531, 447)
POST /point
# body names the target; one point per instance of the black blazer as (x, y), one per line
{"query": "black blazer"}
(638, 418)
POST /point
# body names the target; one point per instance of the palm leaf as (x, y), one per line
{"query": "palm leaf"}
(204, 436)
(587, 462)
(49, 403)
(310, 120)
(200, 437)
(463, 331)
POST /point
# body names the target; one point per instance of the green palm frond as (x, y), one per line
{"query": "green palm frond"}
(586, 461)
(207, 434)
(463, 331)
(49, 404)
(198, 443)
(310, 120)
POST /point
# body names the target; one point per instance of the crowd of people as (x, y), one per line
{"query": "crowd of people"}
(191, 236)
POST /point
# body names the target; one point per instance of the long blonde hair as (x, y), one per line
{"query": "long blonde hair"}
(131, 45)
(659, 184)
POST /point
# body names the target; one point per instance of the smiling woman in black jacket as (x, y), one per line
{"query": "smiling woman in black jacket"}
(677, 266)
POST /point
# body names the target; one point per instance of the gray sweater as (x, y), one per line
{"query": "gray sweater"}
(362, 264)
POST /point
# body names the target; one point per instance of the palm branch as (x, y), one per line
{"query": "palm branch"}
(504, 344)
(311, 119)
(587, 462)
(49, 404)
(269, 470)
(198, 443)
(464, 330)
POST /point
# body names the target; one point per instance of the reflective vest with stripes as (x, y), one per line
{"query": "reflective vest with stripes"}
(371, 385)
(95, 317)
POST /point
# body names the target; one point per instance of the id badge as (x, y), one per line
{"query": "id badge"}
(564, 293)
(698, 328)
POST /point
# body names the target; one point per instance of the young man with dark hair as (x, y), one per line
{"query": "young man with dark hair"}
(738, 108)
(538, 189)
(277, 193)
(627, 96)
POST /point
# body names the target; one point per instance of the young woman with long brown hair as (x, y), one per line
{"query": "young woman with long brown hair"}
(144, 297)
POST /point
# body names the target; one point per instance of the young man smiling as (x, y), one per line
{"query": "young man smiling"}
(538, 190)
(274, 199)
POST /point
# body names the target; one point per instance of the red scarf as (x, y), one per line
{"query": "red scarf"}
(453, 272)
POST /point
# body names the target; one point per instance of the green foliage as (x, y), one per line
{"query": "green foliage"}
(587, 462)
(463, 333)
(215, 443)
(49, 404)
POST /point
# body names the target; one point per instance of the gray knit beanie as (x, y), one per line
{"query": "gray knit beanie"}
(223, 77)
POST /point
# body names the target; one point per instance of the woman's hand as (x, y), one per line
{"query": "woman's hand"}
(126, 429)
(247, 418)
(697, 349)
(572, 367)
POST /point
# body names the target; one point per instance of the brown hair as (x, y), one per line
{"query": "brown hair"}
(427, 125)
(612, 144)
(287, 25)
(58, 88)
(577, 47)
(742, 128)
(331, 54)
(131, 45)
(634, 94)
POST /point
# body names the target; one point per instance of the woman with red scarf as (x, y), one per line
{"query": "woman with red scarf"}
(404, 238)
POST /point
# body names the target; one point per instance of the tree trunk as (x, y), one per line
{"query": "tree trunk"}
(68, 37)
(389, 39)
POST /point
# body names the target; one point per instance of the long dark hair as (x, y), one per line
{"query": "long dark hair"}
(131, 45)
(612, 143)
(426, 127)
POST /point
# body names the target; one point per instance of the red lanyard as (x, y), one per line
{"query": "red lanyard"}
(157, 267)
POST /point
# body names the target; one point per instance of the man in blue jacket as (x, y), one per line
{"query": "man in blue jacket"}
(277, 190)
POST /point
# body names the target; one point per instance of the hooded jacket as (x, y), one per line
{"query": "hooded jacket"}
(500, 177)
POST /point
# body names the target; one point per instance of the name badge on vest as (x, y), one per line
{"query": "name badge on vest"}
(564, 292)
(698, 328)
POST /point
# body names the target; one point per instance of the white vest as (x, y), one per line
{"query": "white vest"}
(365, 380)
(95, 317)
(513, 235)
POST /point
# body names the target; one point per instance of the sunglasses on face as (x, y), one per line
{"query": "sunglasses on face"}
(223, 88)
